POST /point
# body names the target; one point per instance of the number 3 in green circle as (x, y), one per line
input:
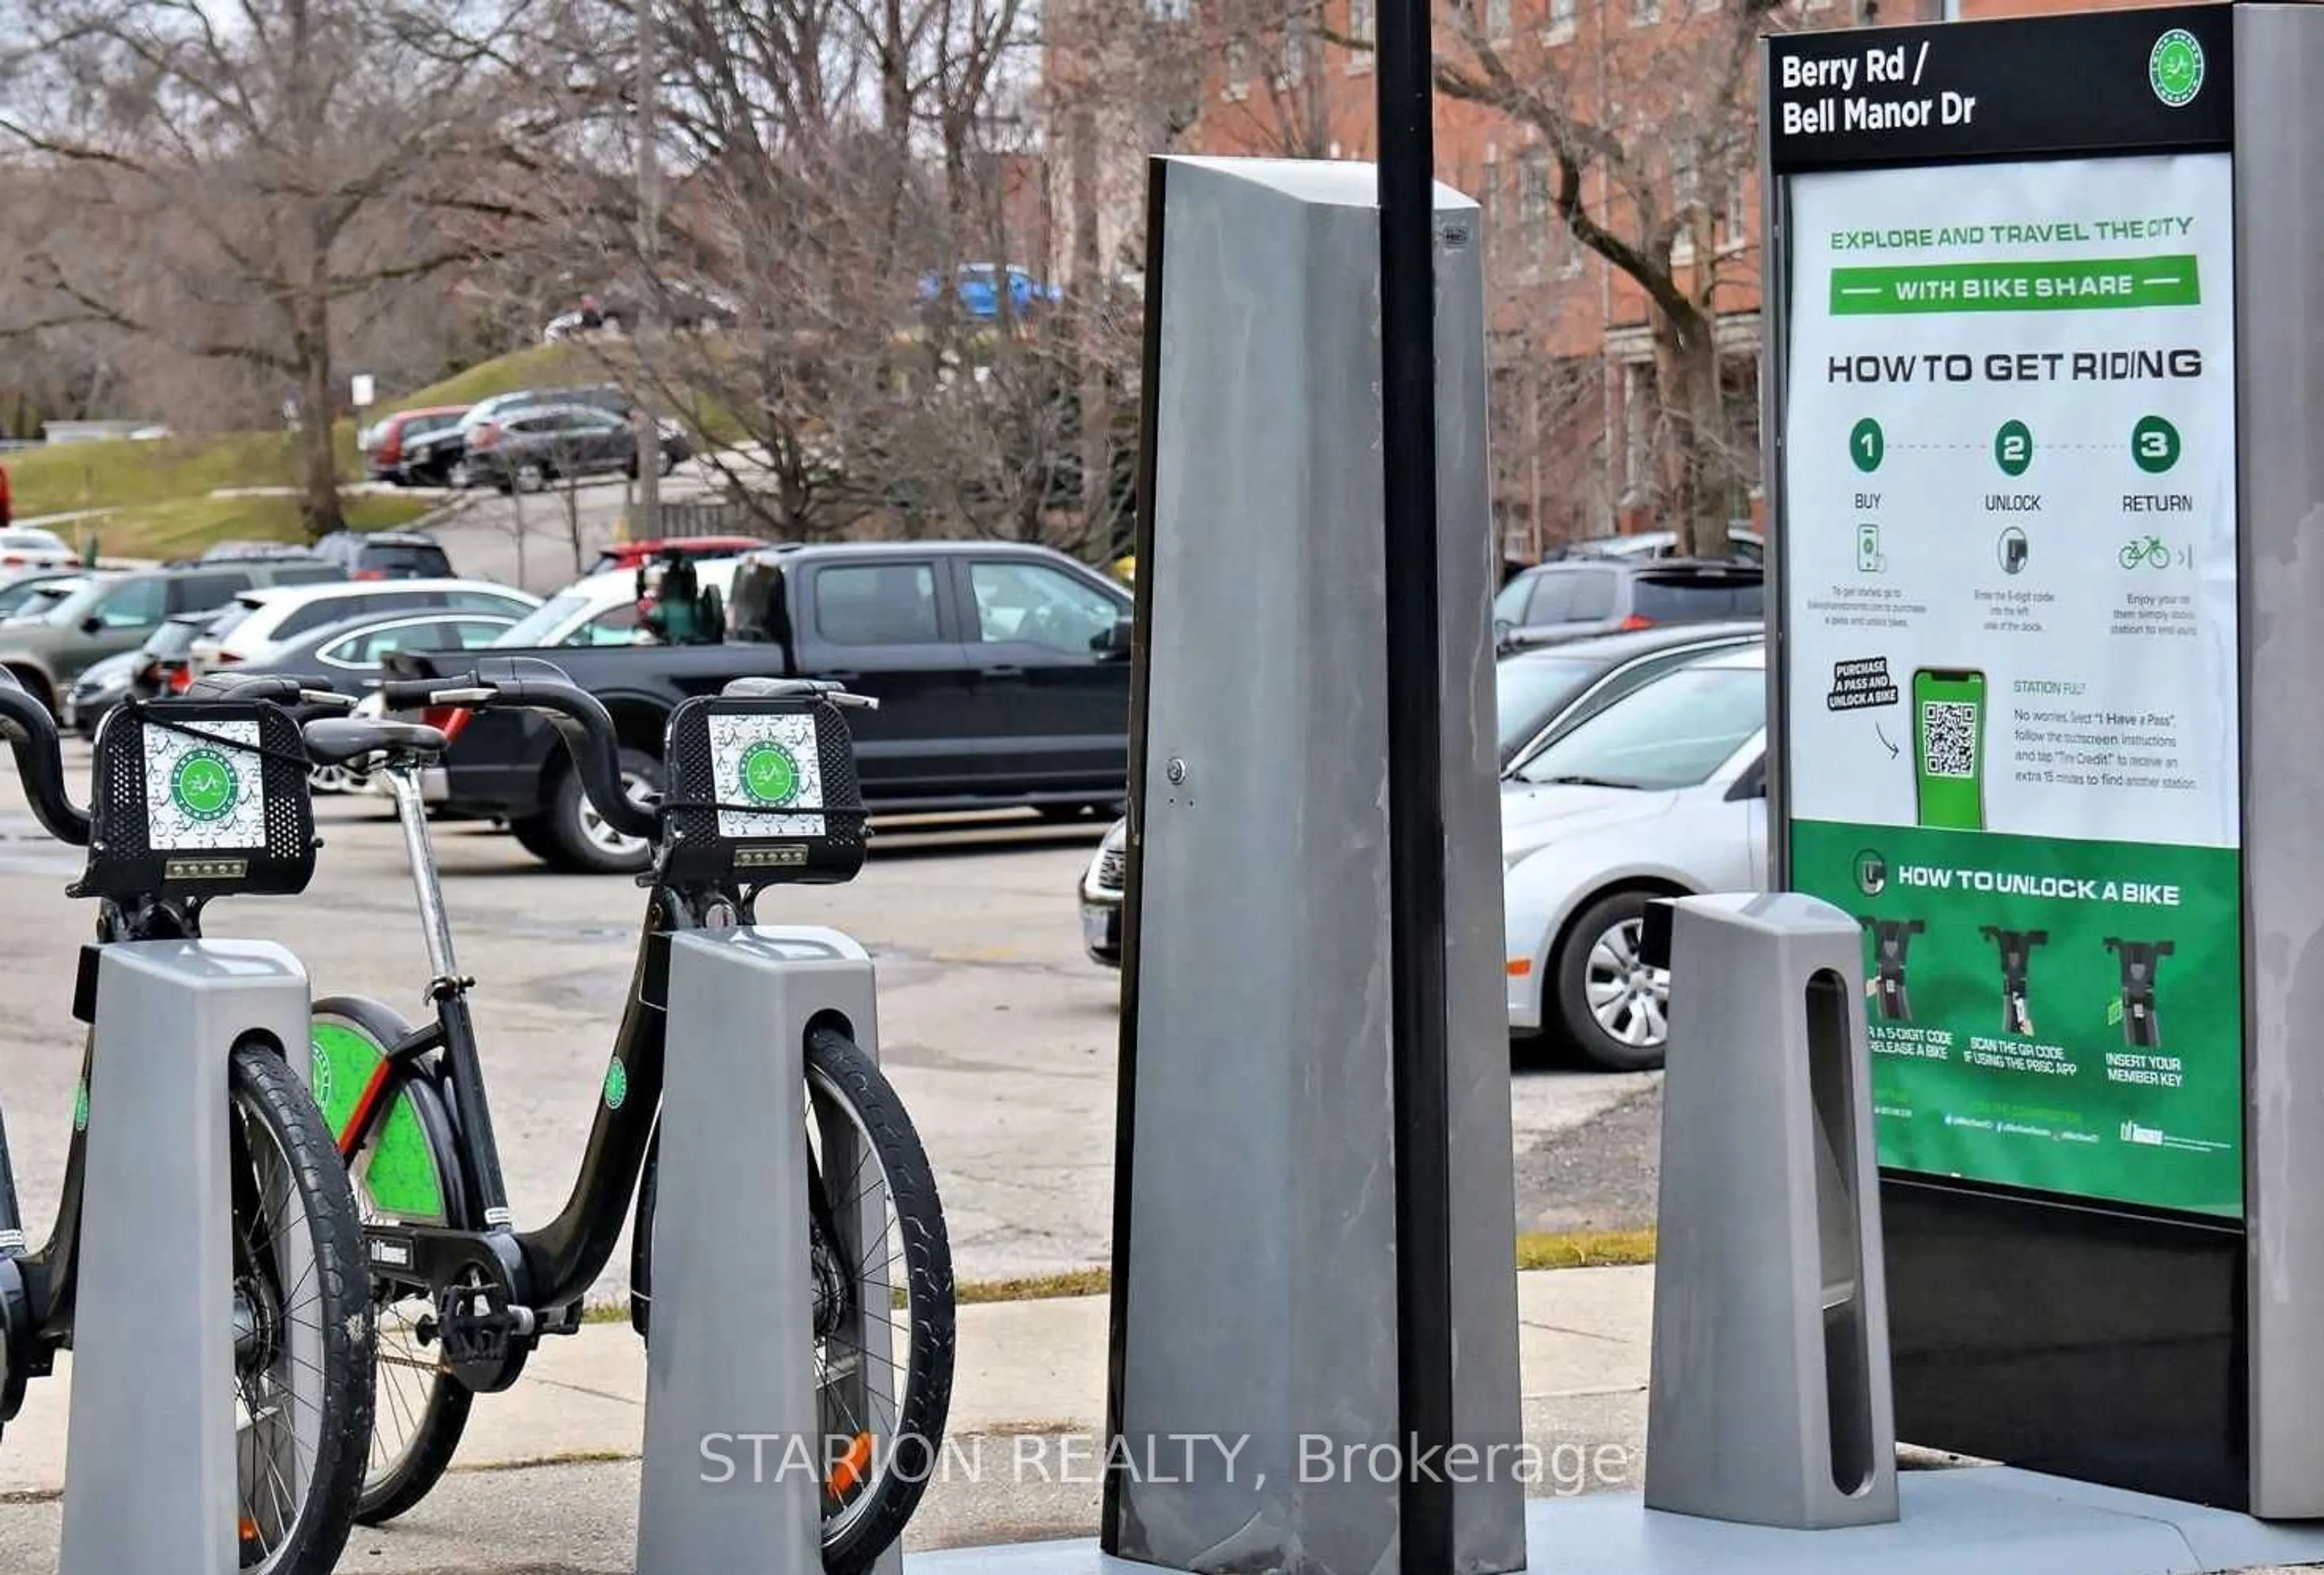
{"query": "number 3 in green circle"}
(1866, 445)
(2155, 445)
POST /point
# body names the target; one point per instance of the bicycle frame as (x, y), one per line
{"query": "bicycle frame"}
(554, 1265)
(37, 1307)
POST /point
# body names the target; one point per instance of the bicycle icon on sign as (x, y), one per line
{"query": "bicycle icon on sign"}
(2150, 551)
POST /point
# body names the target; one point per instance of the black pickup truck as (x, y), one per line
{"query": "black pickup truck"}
(1002, 673)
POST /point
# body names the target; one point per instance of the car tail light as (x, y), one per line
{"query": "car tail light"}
(1635, 622)
(227, 659)
(13, 559)
(368, 575)
(451, 721)
(391, 445)
(181, 678)
(486, 435)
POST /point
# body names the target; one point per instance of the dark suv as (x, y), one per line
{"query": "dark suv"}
(1570, 598)
(386, 555)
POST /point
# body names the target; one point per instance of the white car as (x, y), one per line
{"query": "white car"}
(1662, 794)
(602, 609)
(27, 547)
(269, 617)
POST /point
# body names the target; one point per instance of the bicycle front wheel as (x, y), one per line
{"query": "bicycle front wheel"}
(883, 1294)
(302, 1324)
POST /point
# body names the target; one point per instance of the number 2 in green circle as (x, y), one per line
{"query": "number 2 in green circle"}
(2155, 445)
(2012, 448)
(1866, 445)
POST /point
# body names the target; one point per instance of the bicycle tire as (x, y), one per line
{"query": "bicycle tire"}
(262, 1084)
(396, 1479)
(837, 1067)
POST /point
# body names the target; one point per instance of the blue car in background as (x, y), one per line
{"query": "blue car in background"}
(980, 286)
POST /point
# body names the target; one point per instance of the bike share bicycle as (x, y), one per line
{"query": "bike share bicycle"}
(193, 799)
(464, 1297)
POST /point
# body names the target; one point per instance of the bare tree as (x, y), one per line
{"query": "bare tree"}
(246, 183)
(1649, 127)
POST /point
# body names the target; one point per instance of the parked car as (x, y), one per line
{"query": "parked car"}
(1571, 597)
(36, 603)
(166, 660)
(1103, 885)
(386, 444)
(111, 614)
(1540, 692)
(280, 551)
(629, 554)
(28, 546)
(101, 686)
(266, 621)
(1001, 670)
(603, 396)
(1662, 794)
(23, 589)
(530, 447)
(436, 457)
(386, 555)
(1744, 545)
(606, 609)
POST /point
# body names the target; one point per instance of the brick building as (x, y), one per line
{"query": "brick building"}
(1581, 432)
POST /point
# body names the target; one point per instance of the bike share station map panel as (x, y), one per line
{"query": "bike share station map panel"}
(2042, 679)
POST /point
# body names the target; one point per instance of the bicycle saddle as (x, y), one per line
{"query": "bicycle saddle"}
(334, 741)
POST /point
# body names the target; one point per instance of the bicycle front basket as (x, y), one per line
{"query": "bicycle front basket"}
(762, 791)
(198, 798)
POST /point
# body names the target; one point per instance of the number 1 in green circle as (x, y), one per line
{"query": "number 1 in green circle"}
(2012, 448)
(1866, 444)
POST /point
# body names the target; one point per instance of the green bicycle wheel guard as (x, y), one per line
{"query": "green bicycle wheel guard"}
(397, 1171)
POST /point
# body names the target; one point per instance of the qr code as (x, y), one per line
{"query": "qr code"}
(1949, 729)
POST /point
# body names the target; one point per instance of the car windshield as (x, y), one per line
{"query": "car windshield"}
(398, 555)
(174, 638)
(41, 600)
(1672, 734)
(1530, 690)
(536, 626)
(73, 608)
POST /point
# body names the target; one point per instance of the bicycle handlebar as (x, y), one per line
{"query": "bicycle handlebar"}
(576, 713)
(31, 735)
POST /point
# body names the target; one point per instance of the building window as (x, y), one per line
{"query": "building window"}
(1561, 14)
(1170, 10)
(1731, 220)
(1363, 24)
(1535, 214)
(1497, 19)
(1238, 66)
(1291, 57)
(1646, 13)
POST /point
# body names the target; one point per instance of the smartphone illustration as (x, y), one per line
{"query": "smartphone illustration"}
(1949, 747)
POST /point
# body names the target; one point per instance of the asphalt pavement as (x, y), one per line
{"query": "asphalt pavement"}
(998, 1033)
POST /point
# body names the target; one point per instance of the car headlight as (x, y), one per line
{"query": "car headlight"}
(1117, 838)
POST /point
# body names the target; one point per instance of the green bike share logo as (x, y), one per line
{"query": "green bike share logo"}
(617, 1084)
(2174, 69)
(80, 1107)
(771, 774)
(205, 786)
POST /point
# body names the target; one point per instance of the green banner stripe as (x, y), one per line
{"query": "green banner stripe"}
(2085, 284)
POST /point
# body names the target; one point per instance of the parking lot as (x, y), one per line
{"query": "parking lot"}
(999, 1032)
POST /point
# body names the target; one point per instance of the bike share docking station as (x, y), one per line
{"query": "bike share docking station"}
(210, 801)
(737, 1446)
(2081, 1236)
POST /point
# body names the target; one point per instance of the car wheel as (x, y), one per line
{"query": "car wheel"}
(1614, 1007)
(460, 475)
(536, 835)
(583, 841)
(530, 476)
(331, 779)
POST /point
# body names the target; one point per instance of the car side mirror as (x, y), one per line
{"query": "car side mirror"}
(1114, 641)
(91, 625)
(1502, 630)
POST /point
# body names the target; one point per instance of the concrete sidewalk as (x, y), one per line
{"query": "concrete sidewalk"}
(1024, 1367)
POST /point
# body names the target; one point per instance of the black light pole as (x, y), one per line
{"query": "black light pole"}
(1415, 797)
